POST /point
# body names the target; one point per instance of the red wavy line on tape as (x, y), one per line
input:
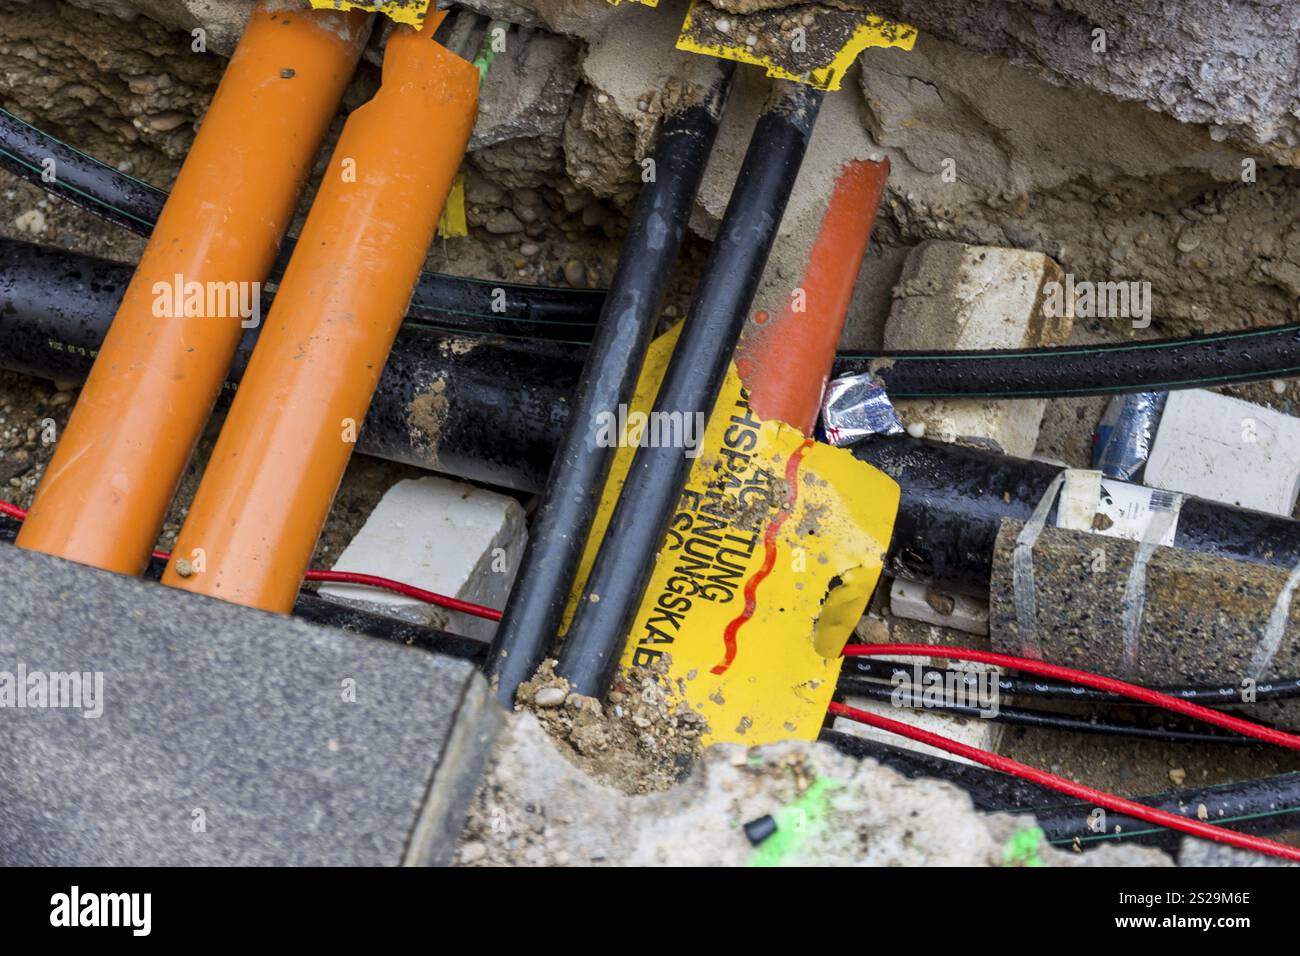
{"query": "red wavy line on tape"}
(769, 560)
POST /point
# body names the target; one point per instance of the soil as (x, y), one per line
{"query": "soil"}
(639, 741)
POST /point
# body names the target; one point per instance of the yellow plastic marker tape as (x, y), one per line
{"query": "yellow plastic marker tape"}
(776, 547)
(644, 3)
(818, 51)
(453, 222)
(403, 11)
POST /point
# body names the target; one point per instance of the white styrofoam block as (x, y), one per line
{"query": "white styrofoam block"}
(1225, 449)
(917, 602)
(442, 536)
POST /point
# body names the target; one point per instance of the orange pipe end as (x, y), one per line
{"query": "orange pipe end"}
(143, 408)
(269, 485)
(785, 360)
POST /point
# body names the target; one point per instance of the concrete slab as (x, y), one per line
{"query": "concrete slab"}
(444, 536)
(1225, 449)
(201, 733)
(956, 296)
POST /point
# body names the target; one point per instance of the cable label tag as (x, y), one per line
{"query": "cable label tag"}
(776, 545)
(1117, 509)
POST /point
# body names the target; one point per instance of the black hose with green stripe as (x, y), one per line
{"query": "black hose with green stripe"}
(487, 307)
(1199, 362)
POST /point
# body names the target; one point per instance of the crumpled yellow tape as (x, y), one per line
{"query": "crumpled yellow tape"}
(411, 12)
(775, 549)
(874, 31)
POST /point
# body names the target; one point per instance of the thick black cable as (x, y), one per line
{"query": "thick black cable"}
(483, 307)
(456, 303)
(1200, 362)
(1041, 719)
(563, 520)
(493, 410)
(1263, 805)
(690, 387)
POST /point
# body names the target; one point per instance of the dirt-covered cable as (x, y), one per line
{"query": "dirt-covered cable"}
(568, 505)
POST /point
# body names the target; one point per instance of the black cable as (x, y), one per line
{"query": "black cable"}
(1283, 688)
(456, 303)
(481, 307)
(1199, 362)
(1261, 806)
(1041, 719)
(568, 506)
(955, 498)
(490, 413)
(690, 387)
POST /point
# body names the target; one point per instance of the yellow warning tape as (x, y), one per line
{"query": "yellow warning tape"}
(775, 549)
(874, 31)
(454, 222)
(411, 12)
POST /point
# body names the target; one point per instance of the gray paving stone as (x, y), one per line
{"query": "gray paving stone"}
(225, 735)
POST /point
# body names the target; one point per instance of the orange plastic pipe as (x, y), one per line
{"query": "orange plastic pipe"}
(118, 463)
(784, 361)
(287, 439)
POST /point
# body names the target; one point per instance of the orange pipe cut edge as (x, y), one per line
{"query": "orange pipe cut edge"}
(153, 385)
(290, 432)
(785, 361)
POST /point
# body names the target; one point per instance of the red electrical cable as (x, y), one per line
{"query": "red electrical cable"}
(1043, 778)
(346, 577)
(1100, 798)
(1145, 694)
(410, 590)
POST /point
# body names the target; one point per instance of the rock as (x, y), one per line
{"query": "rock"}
(407, 537)
(529, 89)
(955, 296)
(871, 816)
(31, 222)
(471, 852)
(504, 223)
(575, 273)
(1232, 66)
(550, 697)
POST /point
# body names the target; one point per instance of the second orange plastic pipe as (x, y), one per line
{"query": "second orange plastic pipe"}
(286, 442)
(117, 465)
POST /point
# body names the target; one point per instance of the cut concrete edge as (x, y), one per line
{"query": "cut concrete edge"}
(478, 721)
